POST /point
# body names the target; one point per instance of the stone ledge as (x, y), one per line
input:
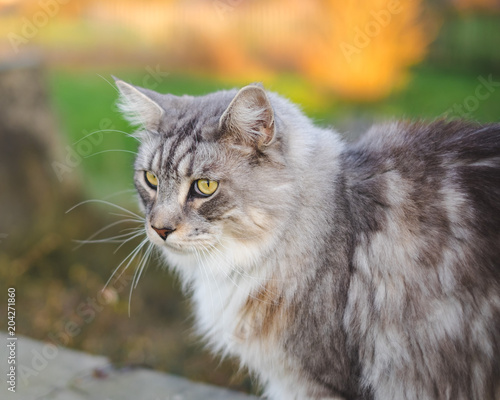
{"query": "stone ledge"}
(47, 372)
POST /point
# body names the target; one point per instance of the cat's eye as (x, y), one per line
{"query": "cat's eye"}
(151, 179)
(205, 187)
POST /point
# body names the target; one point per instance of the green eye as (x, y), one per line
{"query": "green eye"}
(206, 187)
(151, 179)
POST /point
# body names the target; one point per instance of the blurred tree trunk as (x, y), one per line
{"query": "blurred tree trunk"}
(32, 200)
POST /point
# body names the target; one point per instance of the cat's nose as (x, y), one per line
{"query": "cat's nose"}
(163, 232)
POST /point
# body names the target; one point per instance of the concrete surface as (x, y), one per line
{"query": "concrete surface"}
(46, 372)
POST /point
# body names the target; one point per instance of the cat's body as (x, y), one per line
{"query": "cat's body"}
(361, 271)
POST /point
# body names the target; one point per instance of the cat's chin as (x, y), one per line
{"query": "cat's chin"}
(178, 250)
(182, 249)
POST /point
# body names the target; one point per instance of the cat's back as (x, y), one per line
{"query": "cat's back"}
(424, 296)
(444, 171)
(427, 148)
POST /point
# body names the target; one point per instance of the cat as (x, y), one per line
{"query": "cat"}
(332, 270)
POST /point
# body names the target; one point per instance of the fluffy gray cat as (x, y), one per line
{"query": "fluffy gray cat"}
(332, 271)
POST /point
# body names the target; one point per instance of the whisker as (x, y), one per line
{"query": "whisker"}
(119, 193)
(89, 239)
(132, 255)
(104, 130)
(122, 235)
(104, 202)
(127, 216)
(223, 269)
(224, 260)
(244, 275)
(110, 151)
(113, 239)
(134, 229)
(143, 262)
(236, 267)
(137, 276)
(109, 83)
(139, 233)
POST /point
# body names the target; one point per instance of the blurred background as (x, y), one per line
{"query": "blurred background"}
(62, 142)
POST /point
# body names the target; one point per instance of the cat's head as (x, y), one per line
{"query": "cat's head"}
(212, 172)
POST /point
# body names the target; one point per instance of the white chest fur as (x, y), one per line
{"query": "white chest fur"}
(220, 283)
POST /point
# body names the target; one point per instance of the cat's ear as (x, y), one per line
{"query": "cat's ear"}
(250, 117)
(139, 107)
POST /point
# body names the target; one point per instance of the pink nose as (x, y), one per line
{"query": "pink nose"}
(163, 232)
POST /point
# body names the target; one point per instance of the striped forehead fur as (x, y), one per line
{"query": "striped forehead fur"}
(332, 270)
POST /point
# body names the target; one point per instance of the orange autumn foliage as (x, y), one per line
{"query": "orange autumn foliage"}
(357, 49)
(367, 46)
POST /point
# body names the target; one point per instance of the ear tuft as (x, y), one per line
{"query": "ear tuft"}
(250, 117)
(137, 107)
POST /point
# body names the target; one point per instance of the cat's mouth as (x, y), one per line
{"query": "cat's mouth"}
(178, 248)
(169, 245)
(179, 242)
(165, 243)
